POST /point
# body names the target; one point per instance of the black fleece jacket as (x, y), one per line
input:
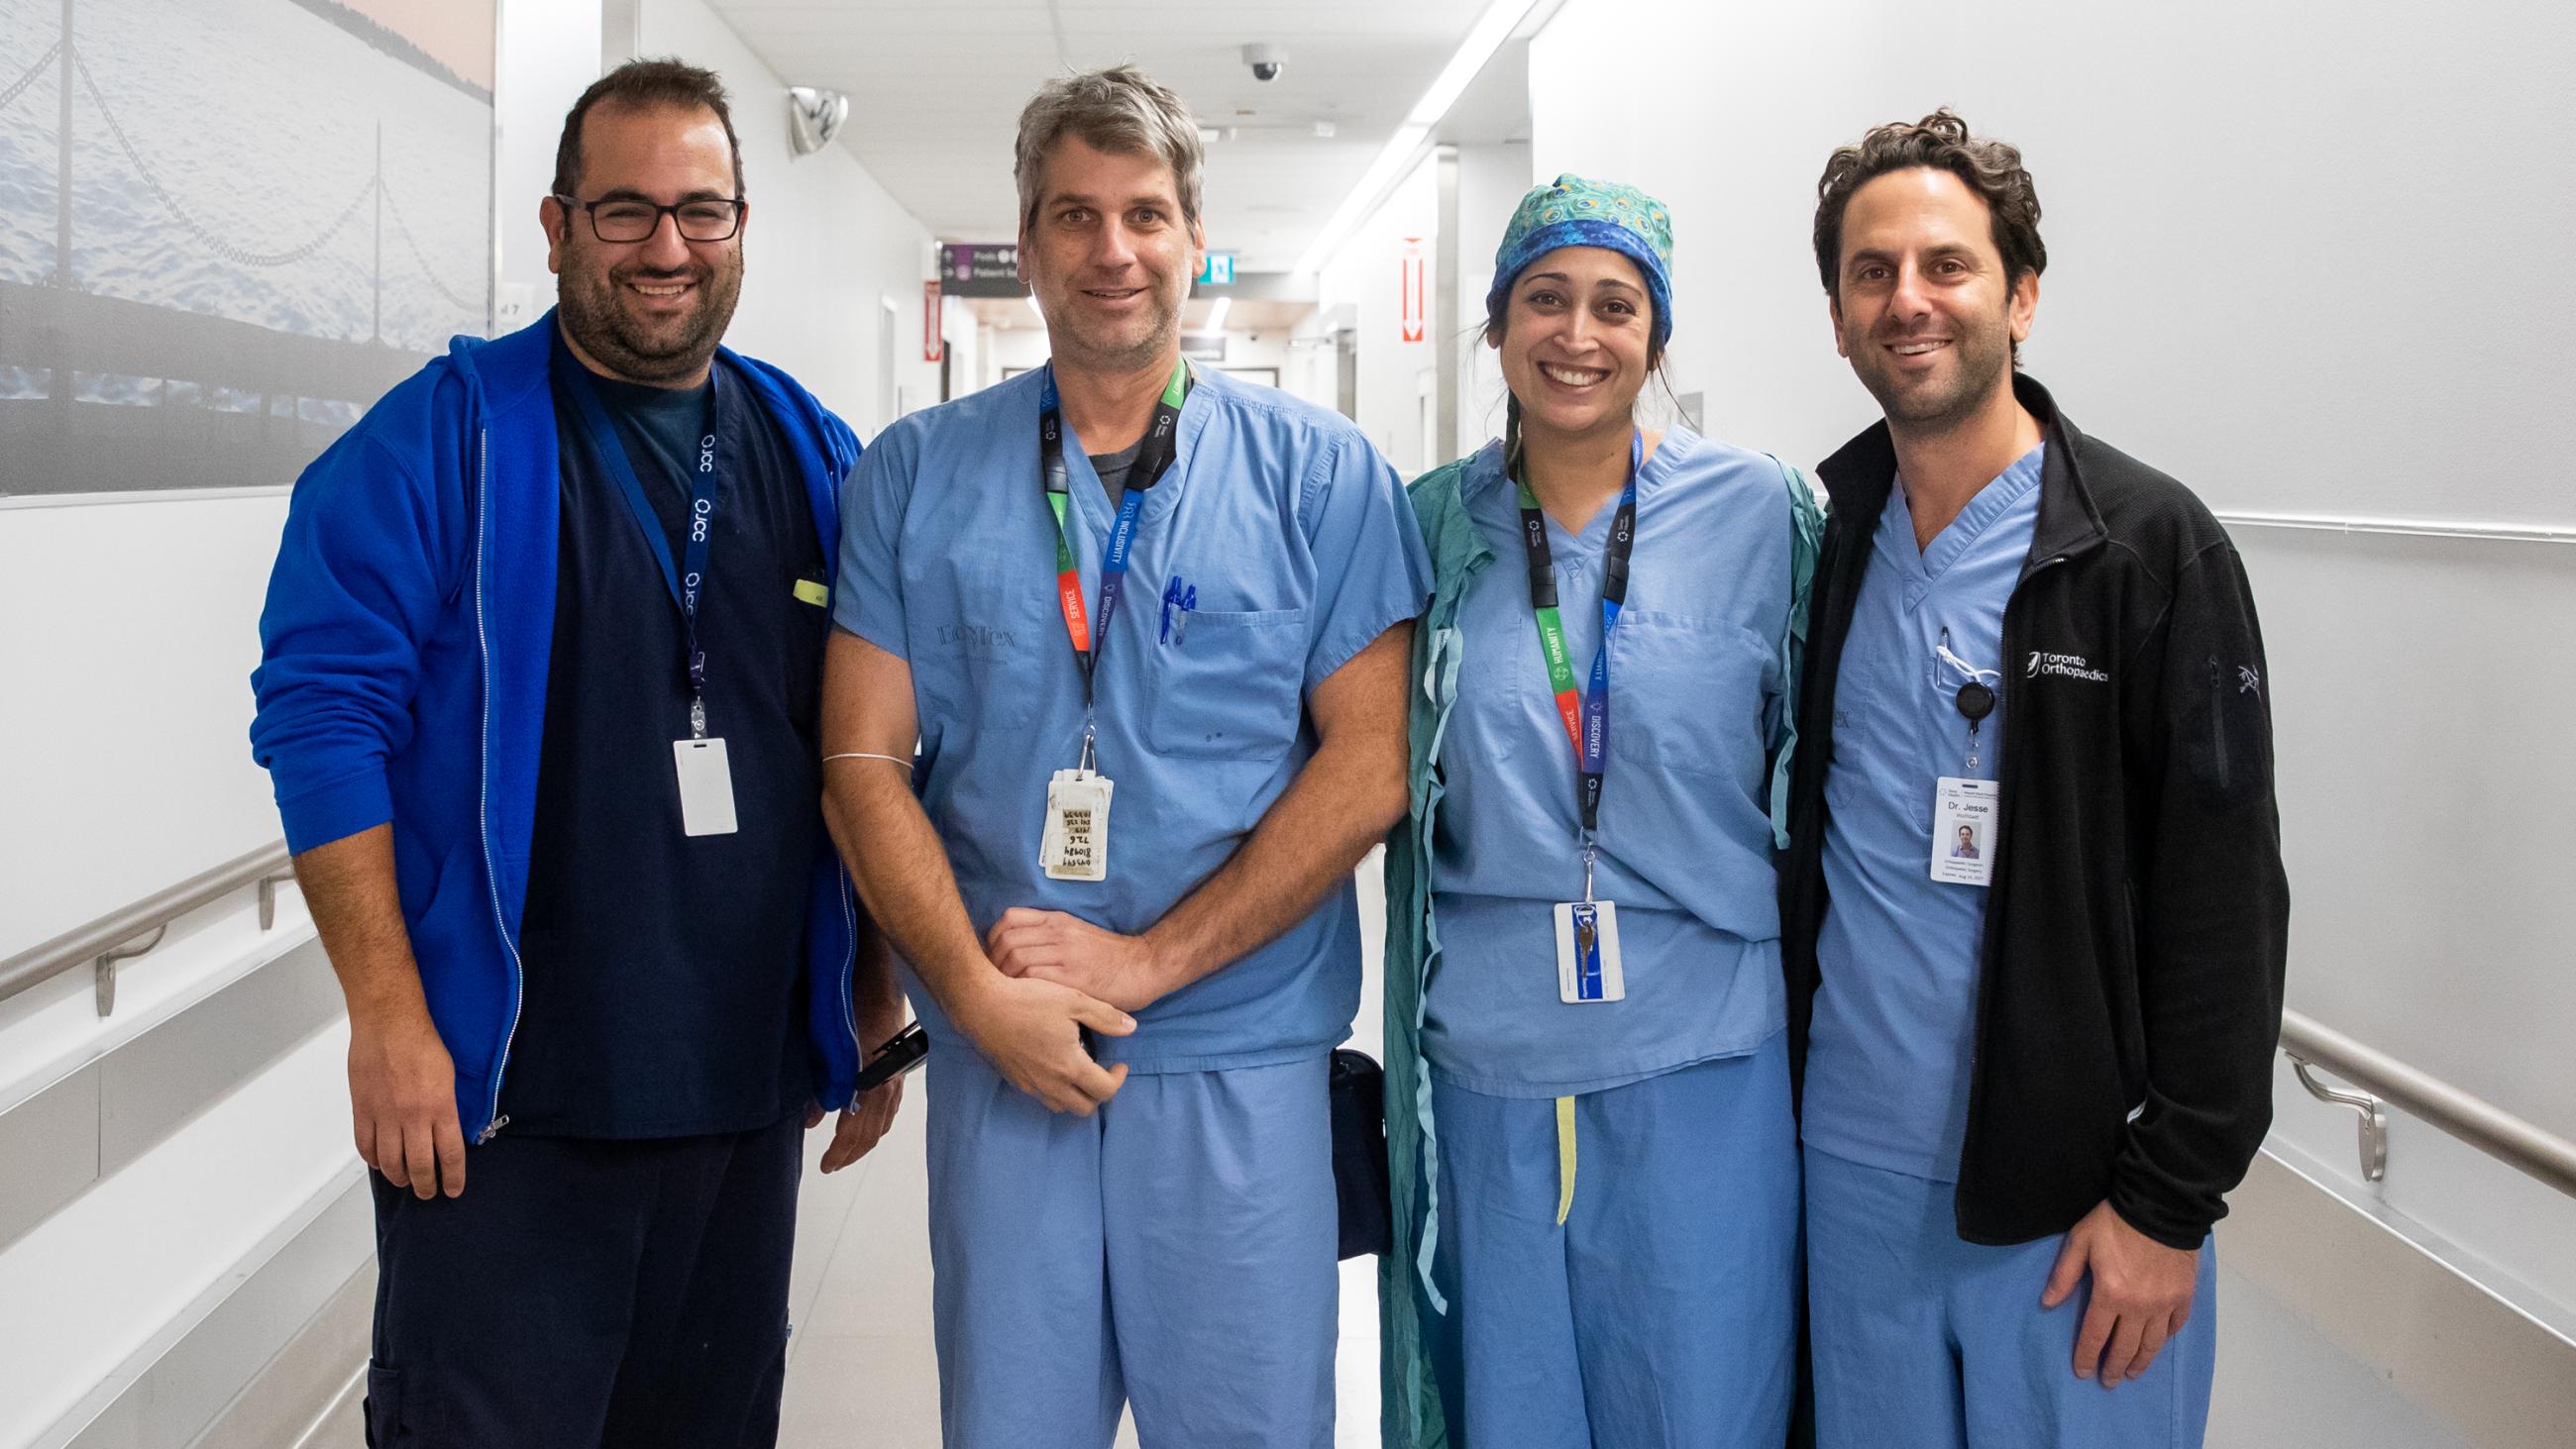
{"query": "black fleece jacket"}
(2129, 995)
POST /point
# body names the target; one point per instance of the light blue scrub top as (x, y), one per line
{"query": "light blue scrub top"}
(1685, 838)
(1896, 1012)
(1277, 546)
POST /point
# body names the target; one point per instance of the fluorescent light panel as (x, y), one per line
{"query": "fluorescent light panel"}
(1216, 314)
(1483, 38)
(1382, 174)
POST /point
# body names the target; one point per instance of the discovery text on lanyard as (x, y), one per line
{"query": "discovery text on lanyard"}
(1153, 457)
(1587, 716)
(687, 577)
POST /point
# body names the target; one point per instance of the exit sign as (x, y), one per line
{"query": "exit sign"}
(1217, 270)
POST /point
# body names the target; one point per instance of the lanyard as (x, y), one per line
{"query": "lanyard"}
(686, 578)
(1587, 718)
(1161, 445)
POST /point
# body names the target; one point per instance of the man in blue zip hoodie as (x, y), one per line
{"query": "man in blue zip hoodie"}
(539, 697)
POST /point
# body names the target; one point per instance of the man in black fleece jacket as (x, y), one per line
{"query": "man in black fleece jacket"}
(2030, 1073)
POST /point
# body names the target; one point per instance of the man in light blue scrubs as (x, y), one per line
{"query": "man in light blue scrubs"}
(2034, 915)
(1148, 628)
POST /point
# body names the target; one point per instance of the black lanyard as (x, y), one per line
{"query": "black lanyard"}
(686, 578)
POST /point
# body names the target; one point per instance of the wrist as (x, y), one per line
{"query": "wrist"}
(1165, 962)
(970, 997)
(392, 1014)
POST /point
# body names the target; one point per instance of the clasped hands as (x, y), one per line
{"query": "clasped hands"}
(1055, 974)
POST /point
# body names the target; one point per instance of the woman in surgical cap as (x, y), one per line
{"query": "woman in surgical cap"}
(1596, 1175)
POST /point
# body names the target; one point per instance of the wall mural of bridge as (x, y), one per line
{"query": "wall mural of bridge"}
(228, 226)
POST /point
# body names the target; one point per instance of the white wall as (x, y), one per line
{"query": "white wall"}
(964, 338)
(824, 247)
(549, 54)
(2304, 266)
(1491, 181)
(1364, 281)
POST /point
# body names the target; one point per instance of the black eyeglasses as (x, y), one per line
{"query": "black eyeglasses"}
(625, 219)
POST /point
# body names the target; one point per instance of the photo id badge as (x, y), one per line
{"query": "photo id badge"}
(706, 787)
(1075, 843)
(1587, 952)
(1964, 816)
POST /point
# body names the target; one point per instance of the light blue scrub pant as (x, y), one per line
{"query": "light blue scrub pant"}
(1923, 1340)
(1175, 1250)
(1662, 1312)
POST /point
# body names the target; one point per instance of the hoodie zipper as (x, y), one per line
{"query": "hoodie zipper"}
(483, 813)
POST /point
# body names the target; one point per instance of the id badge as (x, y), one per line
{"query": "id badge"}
(1965, 814)
(706, 787)
(1587, 953)
(1075, 843)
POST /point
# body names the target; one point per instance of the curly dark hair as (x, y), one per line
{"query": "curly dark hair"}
(645, 85)
(1991, 168)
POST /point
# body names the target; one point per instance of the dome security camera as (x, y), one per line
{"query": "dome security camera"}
(1266, 60)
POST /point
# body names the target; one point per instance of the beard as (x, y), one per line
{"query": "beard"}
(648, 349)
(1108, 346)
(1980, 364)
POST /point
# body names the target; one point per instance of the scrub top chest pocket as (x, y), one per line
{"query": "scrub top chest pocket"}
(1230, 685)
(1691, 694)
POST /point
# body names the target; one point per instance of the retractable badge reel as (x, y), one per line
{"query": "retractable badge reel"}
(1966, 809)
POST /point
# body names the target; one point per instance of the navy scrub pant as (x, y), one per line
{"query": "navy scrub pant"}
(586, 1294)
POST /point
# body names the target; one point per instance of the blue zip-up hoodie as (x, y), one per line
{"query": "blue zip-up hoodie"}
(404, 650)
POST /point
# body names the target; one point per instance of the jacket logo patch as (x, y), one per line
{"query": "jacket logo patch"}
(2064, 666)
(2248, 681)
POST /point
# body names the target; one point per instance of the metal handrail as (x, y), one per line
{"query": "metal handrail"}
(2474, 1120)
(105, 941)
(2403, 527)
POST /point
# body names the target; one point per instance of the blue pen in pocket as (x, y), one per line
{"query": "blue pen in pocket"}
(1179, 598)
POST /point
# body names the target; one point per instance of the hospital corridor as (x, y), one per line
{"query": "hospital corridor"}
(1286, 724)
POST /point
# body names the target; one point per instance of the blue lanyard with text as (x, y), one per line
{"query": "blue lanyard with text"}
(686, 578)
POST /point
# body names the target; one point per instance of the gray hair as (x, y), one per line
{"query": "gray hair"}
(1118, 110)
